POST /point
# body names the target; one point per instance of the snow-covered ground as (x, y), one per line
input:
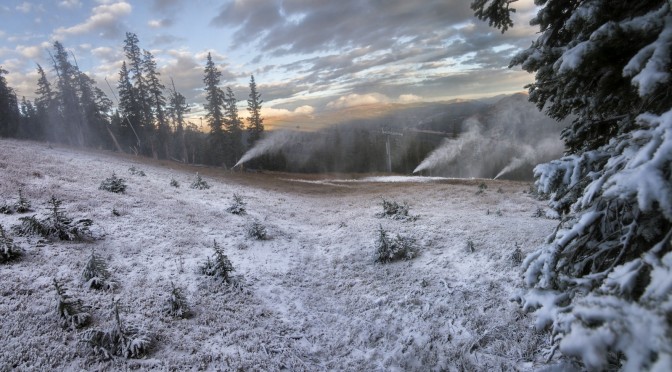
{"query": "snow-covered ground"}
(312, 297)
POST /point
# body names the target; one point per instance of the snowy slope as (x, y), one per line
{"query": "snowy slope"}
(312, 297)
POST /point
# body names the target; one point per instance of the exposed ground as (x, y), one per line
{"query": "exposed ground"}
(312, 297)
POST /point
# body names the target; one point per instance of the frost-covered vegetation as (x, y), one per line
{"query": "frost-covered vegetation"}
(96, 275)
(237, 205)
(396, 248)
(199, 183)
(71, 312)
(312, 298)
(113, 184)
(118, 339)
(602, 281)
(219, 266)
(8, 250)
(396, 211)
(56, 225)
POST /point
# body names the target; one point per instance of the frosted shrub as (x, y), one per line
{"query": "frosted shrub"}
(71, 312)
(237, 206)
(96, 275)
(6, 209)
(113, 184)
(393, 249)
(471, 247)
(118, 340)
(220, 266)
(256, 230)
(199, 183)
(22, 205)
(56, 225)
(136, 172)
(516, 256)
(176, 305)
(8, 250)
(395, 211)
(174, 183)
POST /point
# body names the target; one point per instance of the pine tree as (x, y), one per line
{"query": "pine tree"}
(23, 204)
(157, 102)
(234, 127)
(8, 250)
(96, 275)
(176, 305)
(129, 109)
(30, 127)
(9, 108)
(255, 126)
(601, 278)
(95, 106)
(214, 102)
(220, 266)
(72, 129)
(119, 340)
(141, 92)
(177, 108)
(72, 312)
(45, 103)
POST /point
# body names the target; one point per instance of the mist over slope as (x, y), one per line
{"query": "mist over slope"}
(506, 139)
(456, 139)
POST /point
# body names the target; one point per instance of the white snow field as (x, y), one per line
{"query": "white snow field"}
(312, 296)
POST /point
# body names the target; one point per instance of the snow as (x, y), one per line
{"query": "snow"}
(310, 298)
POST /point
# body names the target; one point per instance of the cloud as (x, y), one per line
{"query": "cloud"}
(409, 98)
(70, 4)
(30, 52)
(165, 6)
(107, 54)
(166, 39)
(300, 27)
(160, 23)
(24, 7)
(104, 20)
(356, 47)
(352, 100)
(270, 112)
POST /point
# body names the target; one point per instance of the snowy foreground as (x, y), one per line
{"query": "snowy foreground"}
(312, 297)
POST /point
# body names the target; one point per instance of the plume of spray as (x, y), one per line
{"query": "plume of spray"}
(512, 136)
(528, 155)
(450, 149)
(273, 142)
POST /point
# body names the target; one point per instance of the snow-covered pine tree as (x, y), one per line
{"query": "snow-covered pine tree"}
(237, 206)
(219, 266)
(113, 184)
(8, 250)
(199, 183)
(603, 280)
(23, 204)
(59, 226)
(176, 305)
(96, 275)
(257, 230)
(72, 312)
(119, 340)
(388, 249)
(56, 225)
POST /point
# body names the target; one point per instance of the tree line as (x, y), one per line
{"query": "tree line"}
(149, 119)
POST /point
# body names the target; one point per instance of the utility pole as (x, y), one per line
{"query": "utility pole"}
(388, 149)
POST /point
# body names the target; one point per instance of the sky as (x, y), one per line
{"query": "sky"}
(310, 58)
